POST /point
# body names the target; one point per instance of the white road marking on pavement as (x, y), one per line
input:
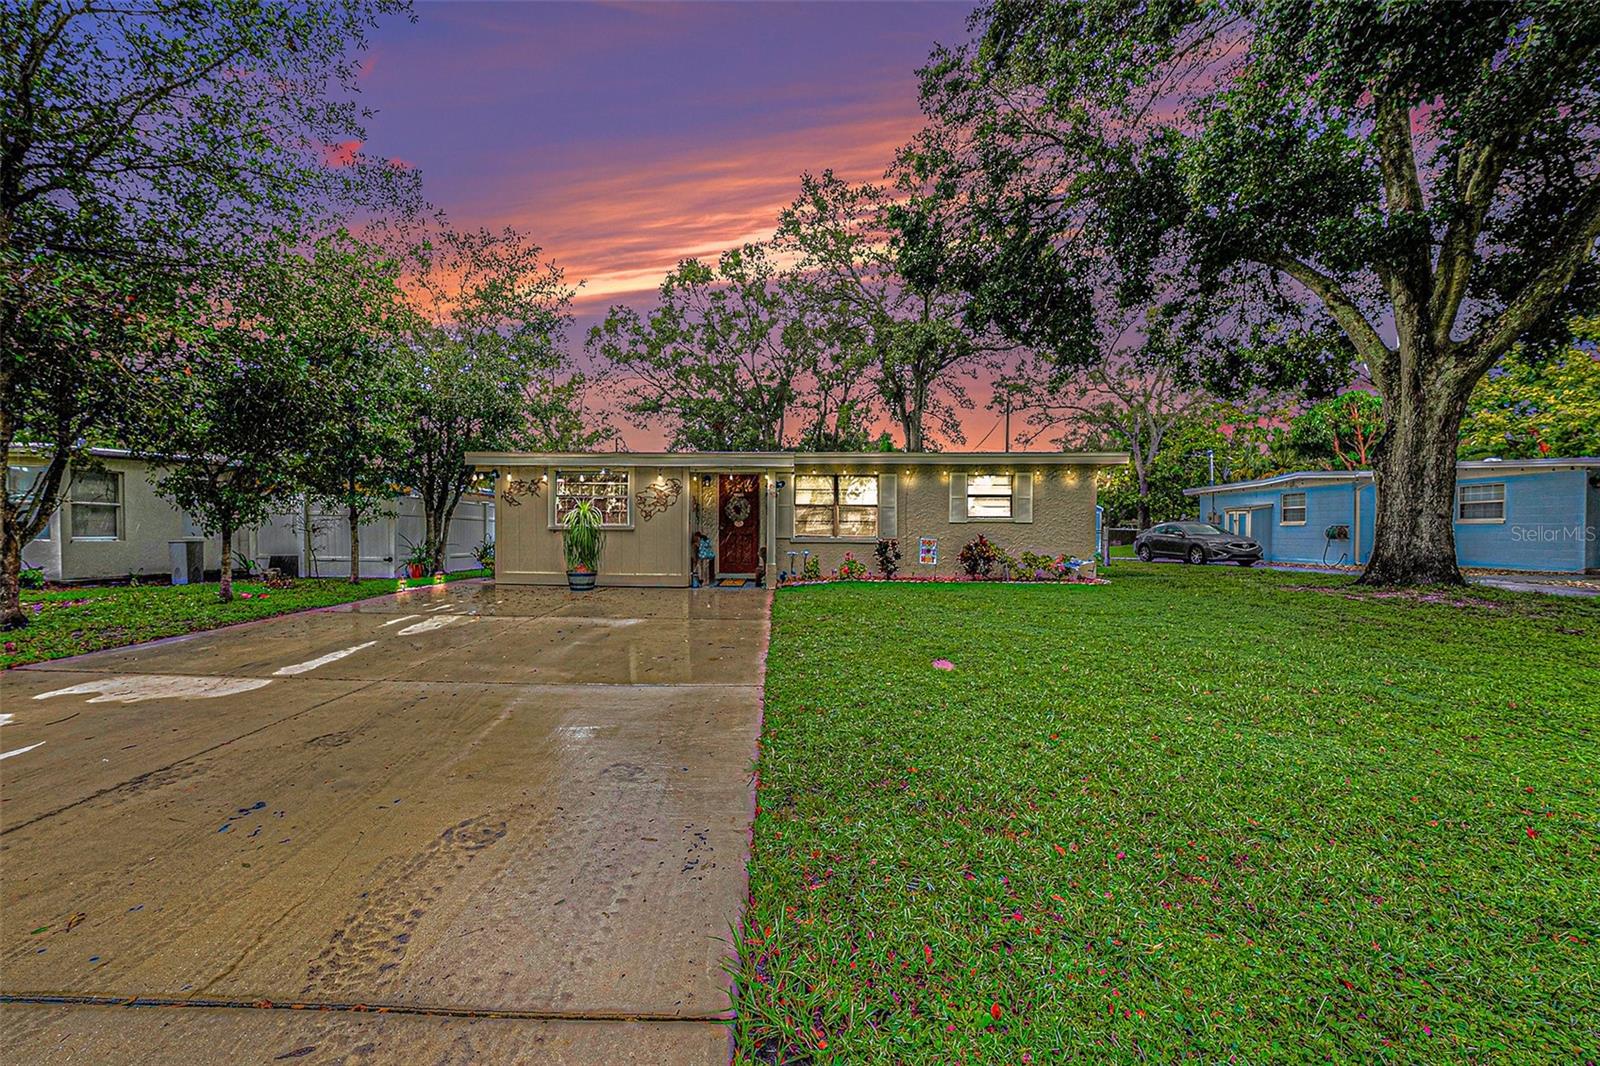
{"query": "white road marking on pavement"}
(402, 618)
(441, 607)
(579, 732)
(19, 751)
(4, 718)
(321, 660)
(137, 687)
(438, 621)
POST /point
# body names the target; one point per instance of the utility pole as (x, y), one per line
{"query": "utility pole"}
(1008, 420)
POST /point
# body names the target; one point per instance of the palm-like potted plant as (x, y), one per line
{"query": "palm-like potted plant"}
(582, 537)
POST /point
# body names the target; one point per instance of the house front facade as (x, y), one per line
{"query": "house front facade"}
(768, 514)
(1533, 514)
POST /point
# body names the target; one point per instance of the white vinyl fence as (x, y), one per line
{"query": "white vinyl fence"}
(386, 541)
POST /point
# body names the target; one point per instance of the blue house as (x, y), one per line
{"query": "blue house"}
(1512, 514)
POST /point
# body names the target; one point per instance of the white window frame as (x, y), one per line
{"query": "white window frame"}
(1284, 509)
(876, 506)
(74, 503)
(1010, 497)
(558, 475)
(1498, 495)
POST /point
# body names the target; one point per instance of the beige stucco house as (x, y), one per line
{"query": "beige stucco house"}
(113, 524)
(767, 512)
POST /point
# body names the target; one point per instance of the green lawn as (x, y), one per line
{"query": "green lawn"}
(75, 620)
(1206, 814)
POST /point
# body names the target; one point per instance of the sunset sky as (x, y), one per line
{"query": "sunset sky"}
(625, 136)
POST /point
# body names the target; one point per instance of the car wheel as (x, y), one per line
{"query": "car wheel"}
(1197, 555)
(1143, 552)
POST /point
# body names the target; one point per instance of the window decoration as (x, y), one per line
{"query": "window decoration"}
(659, 496)
(836, 505)
(96, 512)
(989, 495)
(518, 487)
(1481, 502)
(607, 489)
(1293, 509)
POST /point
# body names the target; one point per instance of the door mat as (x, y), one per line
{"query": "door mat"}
(733, 582)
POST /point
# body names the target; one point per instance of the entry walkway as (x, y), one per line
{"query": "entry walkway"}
(513, 821)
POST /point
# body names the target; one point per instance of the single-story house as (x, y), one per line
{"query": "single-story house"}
(113, 524)
(770, 512)
(1512, 514)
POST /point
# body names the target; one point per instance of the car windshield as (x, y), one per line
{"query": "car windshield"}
(1202, 529)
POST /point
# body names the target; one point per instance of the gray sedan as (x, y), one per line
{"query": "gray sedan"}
(1196, 542)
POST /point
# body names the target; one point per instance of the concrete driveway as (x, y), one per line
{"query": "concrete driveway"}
(474, 824)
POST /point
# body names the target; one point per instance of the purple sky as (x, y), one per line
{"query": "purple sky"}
(626, 136)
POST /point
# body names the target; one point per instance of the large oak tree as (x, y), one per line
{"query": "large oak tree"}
(1407, 189)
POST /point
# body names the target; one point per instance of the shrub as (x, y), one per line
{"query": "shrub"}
(812, 570)
(978, 557)
(484, 553)
(852, 569)
(31, 578)
(888, 552)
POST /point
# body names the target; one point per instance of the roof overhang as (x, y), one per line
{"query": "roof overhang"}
(1465, 467)
(785, 461)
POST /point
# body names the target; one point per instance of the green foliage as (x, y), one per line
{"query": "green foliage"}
(1336, 433)
(978, 557)
(485, 369)
(583, 537)
(31, 578)
(888, 555)
(1528, 407)
(147, 148)
(717, 362)
(1195, 815)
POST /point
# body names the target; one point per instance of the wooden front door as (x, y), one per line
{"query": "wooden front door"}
(738, 523)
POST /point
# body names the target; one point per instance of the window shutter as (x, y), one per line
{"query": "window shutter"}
(786, 507)
(888, 506)
(958, 497)
(1022, 497)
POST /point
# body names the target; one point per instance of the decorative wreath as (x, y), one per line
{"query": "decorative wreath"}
(737, 508)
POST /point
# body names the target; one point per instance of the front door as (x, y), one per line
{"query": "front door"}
(1239, 523)
(738, 523)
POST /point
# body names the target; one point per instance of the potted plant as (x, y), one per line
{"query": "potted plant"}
(582, 537)
(417, 562)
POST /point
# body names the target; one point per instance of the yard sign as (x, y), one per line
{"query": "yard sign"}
(928, 551)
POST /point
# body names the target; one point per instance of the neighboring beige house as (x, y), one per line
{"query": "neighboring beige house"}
(766, 512)
(113, 524)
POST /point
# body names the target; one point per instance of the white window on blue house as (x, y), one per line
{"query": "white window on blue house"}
(1481, 502)
(1292, 509)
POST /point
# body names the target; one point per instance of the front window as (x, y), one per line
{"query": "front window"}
(1294, 509)
(22, 482)
(989, 496)
(1481, 503)
(96, 512)
(607, 489)
(836, 505)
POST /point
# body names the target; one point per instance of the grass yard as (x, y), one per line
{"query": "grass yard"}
(1209, 814)
(72, 621)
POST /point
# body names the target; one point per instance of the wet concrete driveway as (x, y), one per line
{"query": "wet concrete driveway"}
(513, 820)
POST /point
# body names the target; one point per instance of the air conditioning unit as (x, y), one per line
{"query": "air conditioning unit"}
(188, 561)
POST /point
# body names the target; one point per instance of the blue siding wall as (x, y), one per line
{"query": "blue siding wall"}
(1550, 521)
(1326, 505)
(1592, 532)
(1543, 527)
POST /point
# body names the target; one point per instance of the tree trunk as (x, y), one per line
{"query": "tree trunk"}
(1414, 541)
(355, 545)
(11, 616)
(225, 578)
(1143, 514)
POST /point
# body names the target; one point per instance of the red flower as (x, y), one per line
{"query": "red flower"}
(1533, 834)
(995, 1011)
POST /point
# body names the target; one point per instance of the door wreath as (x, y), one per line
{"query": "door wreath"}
(737, 509)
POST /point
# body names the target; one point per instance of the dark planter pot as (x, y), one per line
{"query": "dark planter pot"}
(581, 581)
